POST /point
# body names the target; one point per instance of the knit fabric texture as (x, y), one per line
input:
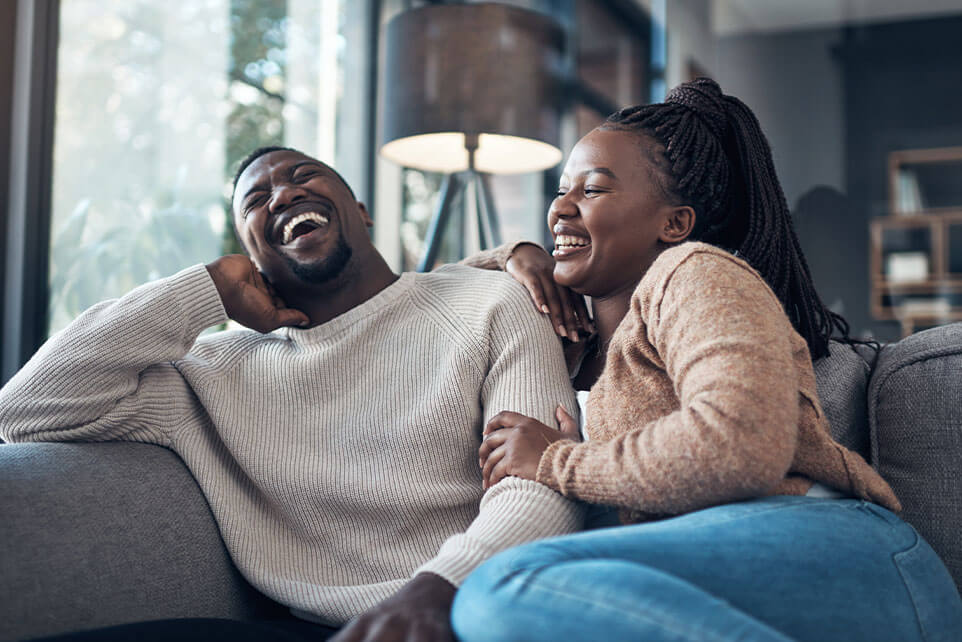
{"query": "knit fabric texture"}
(340, 460)
(708, 396)
(495, 258)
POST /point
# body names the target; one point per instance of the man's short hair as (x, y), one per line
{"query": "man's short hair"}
(260, 151)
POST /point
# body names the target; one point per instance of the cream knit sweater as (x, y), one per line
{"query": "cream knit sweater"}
(340, 460)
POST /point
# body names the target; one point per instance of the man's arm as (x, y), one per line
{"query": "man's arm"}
(108, 375)
(527, 374)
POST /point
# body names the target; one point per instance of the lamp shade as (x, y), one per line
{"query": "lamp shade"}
(485, 70)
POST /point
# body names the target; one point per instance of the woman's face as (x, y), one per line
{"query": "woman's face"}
(610, 215)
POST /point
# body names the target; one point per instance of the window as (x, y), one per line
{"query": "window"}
(156, 104)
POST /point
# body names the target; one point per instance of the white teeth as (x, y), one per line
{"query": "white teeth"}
(320, 219)
(563, 240)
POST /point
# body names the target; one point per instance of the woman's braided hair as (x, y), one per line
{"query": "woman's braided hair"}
(715, 158)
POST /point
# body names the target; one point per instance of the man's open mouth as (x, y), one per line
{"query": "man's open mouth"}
(302, 224)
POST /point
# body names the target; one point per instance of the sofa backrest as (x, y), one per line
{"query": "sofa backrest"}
(915, 421)
(842, 381)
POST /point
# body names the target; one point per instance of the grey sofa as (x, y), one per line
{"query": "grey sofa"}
(100, 534)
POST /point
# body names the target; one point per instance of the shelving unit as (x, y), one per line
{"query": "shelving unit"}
(916, 252)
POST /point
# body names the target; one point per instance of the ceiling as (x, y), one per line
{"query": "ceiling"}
(742, 16)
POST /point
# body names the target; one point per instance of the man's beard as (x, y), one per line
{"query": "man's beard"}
(327, 269)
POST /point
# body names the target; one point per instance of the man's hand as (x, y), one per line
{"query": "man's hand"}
(419, 612)
(513, 444)
(248, 298)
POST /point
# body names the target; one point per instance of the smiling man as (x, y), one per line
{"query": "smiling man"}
(337, 441)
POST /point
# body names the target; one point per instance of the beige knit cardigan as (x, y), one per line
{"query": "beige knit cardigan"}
(707, 397)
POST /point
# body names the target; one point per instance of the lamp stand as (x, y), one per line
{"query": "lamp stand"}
(487, 218)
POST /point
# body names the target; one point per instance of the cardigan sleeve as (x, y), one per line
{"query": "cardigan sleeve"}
(719, 333)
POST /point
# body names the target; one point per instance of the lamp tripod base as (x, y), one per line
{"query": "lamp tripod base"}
(489, 230)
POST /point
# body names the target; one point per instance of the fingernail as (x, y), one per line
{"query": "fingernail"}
(561, 331)
(573, 336)
(545, 308)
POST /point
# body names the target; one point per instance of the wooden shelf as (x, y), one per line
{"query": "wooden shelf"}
(922, 218)
(928, 284)
(937, 298)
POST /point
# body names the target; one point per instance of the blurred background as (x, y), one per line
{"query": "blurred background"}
(122, 123)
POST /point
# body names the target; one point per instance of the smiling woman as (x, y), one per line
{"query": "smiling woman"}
(605, 195)
(703, 423)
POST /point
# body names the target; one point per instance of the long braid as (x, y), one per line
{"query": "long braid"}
(716, 159)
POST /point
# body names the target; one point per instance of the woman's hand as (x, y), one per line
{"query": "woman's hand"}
(531, 266)
(513, 444)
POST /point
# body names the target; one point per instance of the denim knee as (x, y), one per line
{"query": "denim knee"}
(482, 607)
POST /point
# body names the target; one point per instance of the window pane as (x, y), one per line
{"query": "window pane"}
(518, 203)
(156, 104)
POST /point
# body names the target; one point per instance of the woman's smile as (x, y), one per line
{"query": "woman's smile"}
(569, 245)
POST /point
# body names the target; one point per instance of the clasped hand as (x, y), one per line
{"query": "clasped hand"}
(513, 444)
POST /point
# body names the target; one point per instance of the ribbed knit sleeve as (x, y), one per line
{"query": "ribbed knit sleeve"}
(707, 345)
(513, 512)
(108, 376)
(495, 258)
(526, 374)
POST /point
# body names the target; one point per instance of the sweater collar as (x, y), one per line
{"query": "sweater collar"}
(335, 326)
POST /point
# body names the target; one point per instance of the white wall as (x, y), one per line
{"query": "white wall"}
(794, 86)
(787, 78)
(689, 39)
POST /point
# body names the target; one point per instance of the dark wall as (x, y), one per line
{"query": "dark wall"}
(902, 89)
(793, 83)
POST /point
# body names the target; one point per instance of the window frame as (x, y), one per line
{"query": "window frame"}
(31, 88)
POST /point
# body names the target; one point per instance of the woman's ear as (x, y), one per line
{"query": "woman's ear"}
(679, 223)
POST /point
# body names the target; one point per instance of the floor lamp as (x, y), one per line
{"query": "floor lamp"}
(471, 90)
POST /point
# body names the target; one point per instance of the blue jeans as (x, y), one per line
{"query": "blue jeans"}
(778, 568)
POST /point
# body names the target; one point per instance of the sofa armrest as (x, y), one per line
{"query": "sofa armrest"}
(99, 534)
(915, 420)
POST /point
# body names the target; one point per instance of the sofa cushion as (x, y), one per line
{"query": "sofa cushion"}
(100, 534)
(915, 417)
(842, 381)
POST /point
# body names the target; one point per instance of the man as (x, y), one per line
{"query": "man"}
(339, 454)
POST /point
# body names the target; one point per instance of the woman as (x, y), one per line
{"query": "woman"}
(744, 519)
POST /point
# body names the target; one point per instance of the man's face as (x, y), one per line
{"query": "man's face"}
(297, 219)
